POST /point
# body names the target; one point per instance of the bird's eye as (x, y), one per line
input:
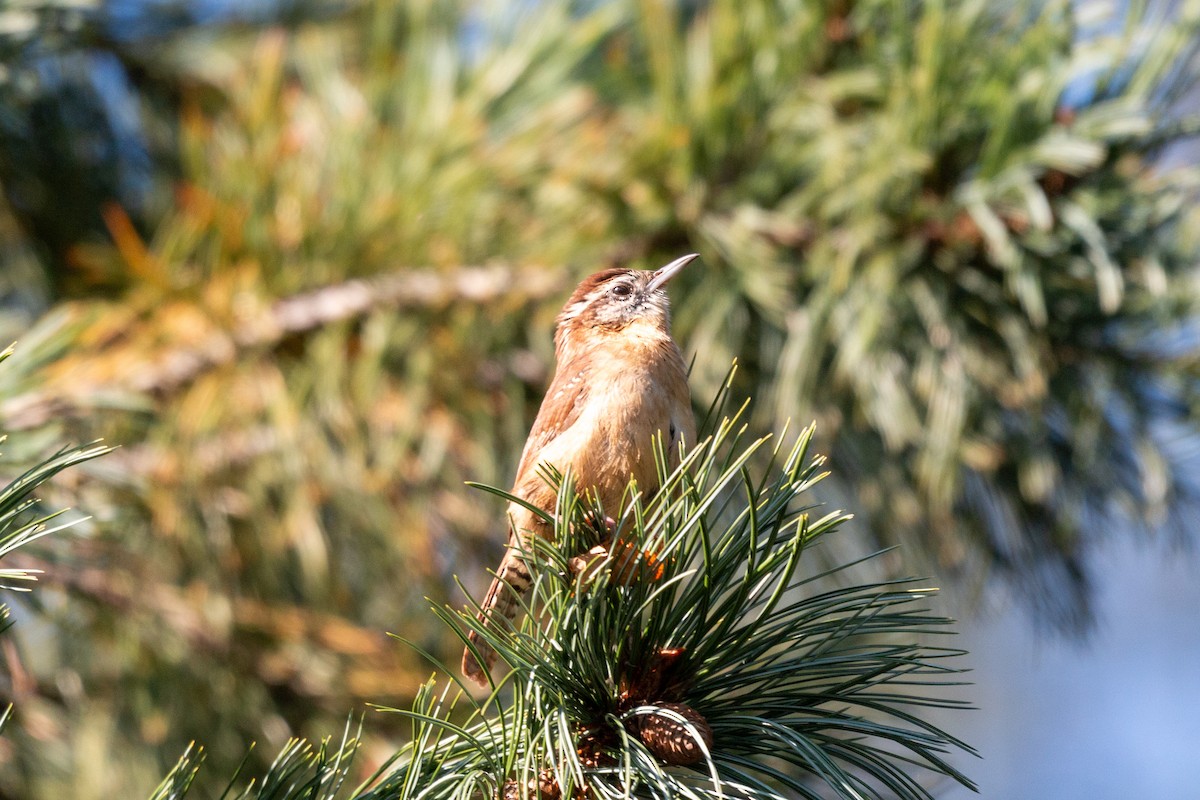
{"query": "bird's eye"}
(622, 290)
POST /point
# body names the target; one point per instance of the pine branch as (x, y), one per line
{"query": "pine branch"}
(155, 359)
(695, 660)
(406, 289)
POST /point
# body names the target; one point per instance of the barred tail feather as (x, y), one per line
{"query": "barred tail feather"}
(502, 602)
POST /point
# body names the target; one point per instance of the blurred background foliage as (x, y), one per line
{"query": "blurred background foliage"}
(301, 261)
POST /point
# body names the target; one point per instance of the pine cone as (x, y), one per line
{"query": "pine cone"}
(669, 739)
(544, 787)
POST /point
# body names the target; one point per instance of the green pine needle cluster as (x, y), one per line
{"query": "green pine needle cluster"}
(707, 620)
(20, 524)
(299, 772)
(805, 687)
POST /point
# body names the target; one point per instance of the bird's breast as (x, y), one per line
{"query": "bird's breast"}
(632, 399)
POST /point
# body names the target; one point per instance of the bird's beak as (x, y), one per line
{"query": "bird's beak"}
(661, 276)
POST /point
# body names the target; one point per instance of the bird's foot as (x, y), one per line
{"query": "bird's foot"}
(588, 562)
(625, 562)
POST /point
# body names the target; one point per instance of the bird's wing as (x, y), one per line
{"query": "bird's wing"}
(564, 403)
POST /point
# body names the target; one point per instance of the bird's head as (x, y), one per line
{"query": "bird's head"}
(613, 300)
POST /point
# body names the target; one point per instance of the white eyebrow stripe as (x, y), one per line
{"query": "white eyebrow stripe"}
(575, 309)
(572, 311)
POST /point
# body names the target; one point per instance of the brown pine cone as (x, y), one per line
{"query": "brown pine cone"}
(544, 787)
(669, 739)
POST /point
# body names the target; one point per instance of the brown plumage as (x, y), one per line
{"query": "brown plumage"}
(620, 381)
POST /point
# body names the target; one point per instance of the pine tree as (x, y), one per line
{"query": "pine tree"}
(946, 231)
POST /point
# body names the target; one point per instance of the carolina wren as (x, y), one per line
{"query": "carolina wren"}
(619, 383)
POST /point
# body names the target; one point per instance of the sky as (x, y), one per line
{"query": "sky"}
(1113, 717)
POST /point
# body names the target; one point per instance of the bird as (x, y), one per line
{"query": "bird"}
(619, 383)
